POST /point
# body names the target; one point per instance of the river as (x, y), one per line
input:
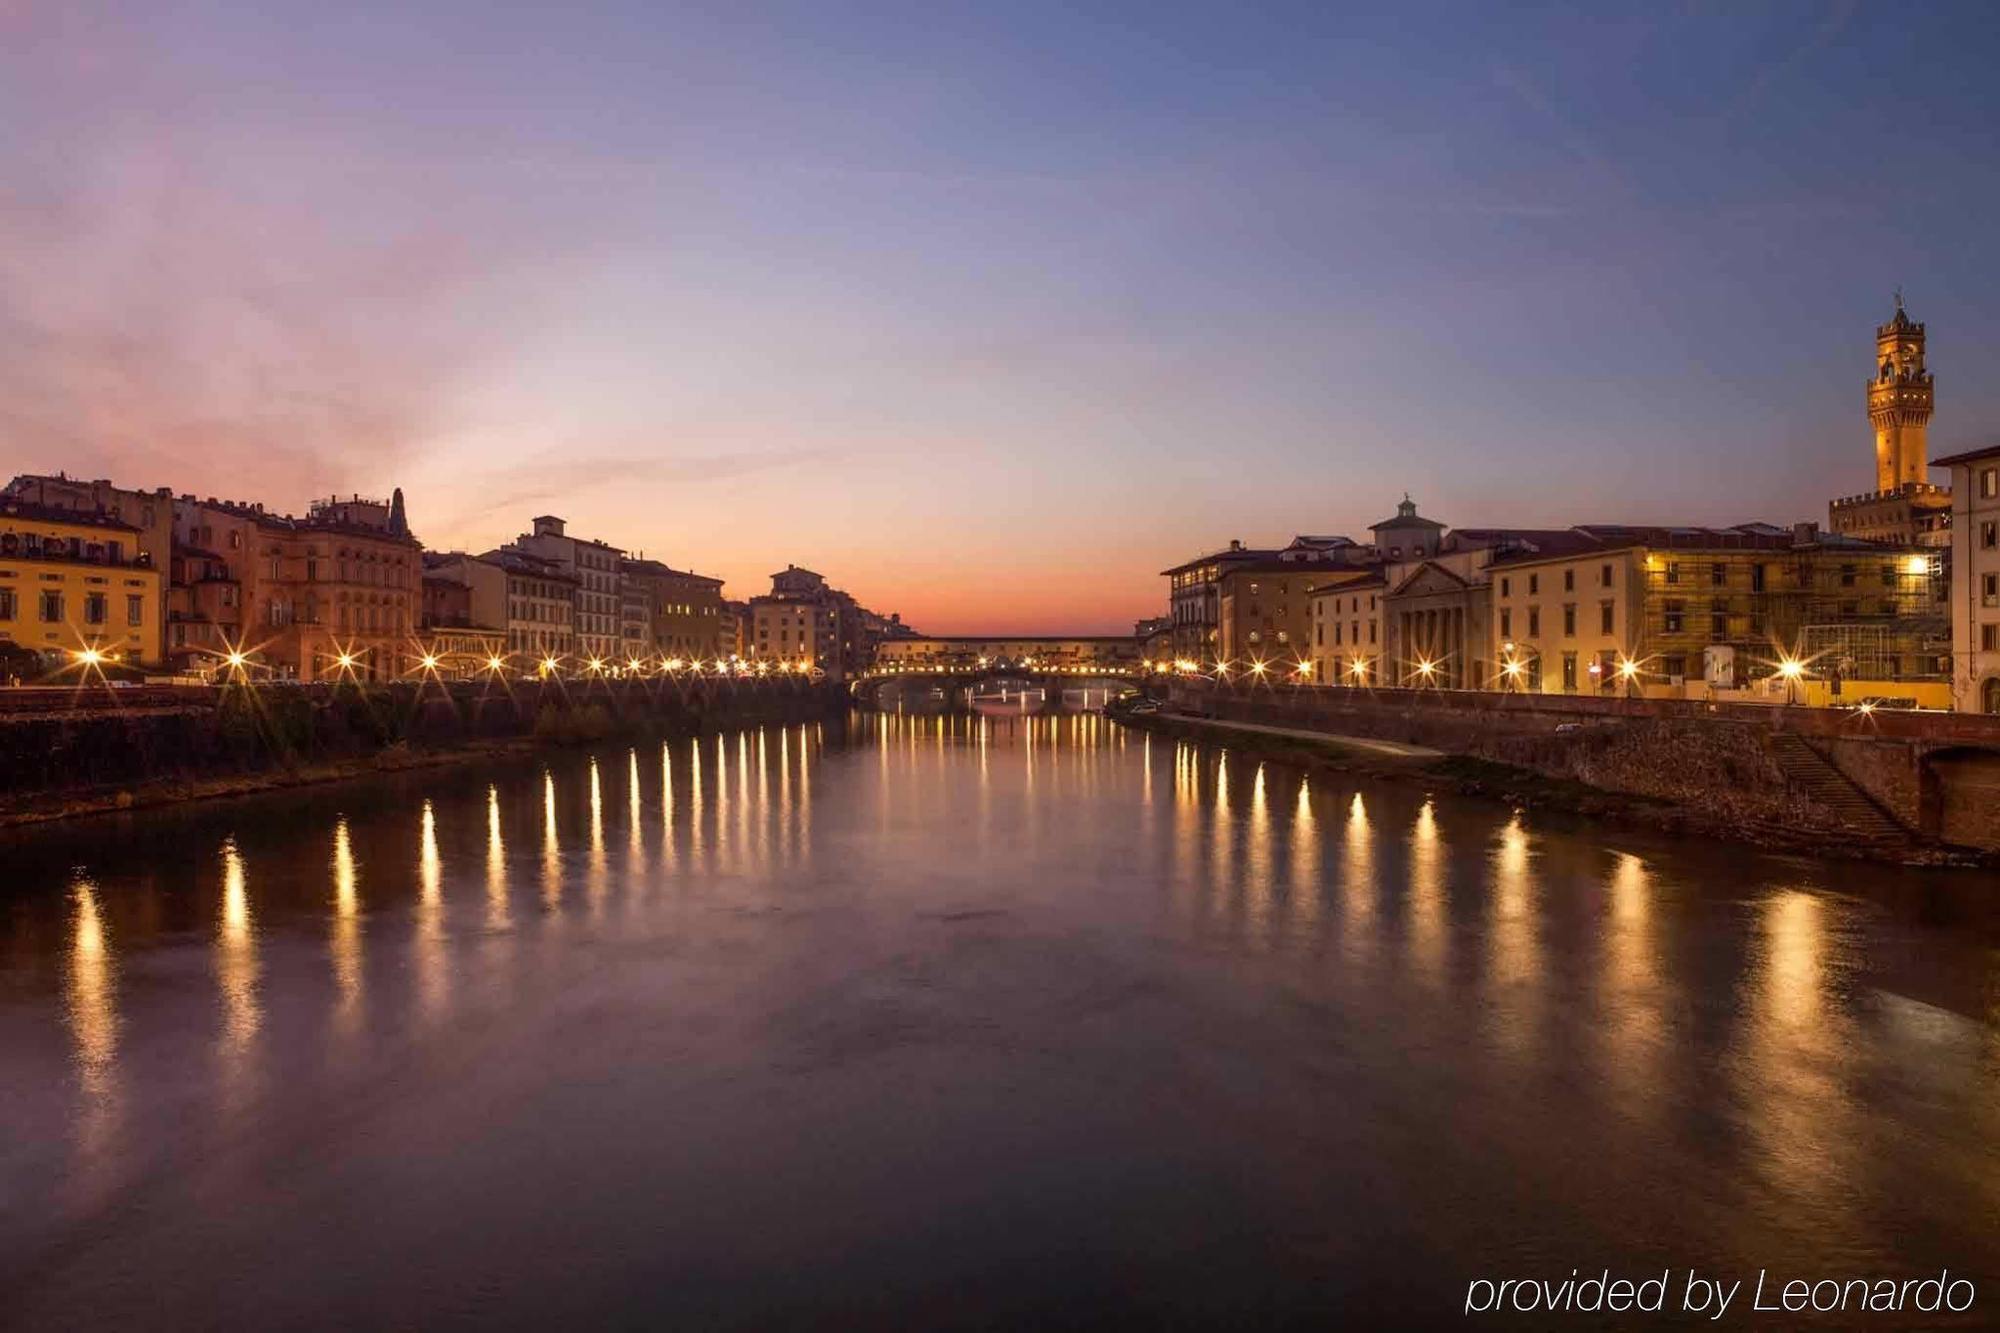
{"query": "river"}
(961, 1022)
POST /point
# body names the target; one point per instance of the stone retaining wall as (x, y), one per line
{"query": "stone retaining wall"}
(249, 729)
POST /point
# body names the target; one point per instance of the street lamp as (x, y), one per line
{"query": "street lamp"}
(1792, 670)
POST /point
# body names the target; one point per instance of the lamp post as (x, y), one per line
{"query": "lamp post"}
(1628, 671)
(1791, 669)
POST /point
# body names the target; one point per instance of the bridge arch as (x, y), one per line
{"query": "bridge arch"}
(1959, 795)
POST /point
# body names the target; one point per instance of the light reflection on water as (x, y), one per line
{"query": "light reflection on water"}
(935, 956)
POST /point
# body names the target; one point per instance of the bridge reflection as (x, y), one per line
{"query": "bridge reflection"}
(994, 693)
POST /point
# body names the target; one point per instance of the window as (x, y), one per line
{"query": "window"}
(1604, 617)
(1989, 482)
(1506, 587)
(1847, 576)
(1989, 638)
(1756, 578)
(1569, 580)
(1673, 571)
(1534, 584)
(1674, 666)
(52, 608)
(1718, 622)
(1989, 591)
(1989, 535)
(1718, 574)
(1569, 673)
(1507, 621)
(1569, 621)
(1671, 620)
(1604, 576)
(93, 608)
(8, 610)
(1534, 622)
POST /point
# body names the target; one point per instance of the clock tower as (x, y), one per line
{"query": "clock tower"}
(1904, 508)
(1899, 402)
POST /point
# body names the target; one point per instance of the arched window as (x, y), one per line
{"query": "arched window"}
(1989, 695)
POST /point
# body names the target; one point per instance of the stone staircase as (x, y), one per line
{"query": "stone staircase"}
(1813, 775)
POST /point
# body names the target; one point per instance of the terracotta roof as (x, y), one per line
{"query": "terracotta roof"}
(1232, 554)
(1969, 456)
(1273, 565)
(525, 562)
(1348, 580)
(1406, 521)
(655, 570)
(81, 518)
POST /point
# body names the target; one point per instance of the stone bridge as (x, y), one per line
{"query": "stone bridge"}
(1108, 682)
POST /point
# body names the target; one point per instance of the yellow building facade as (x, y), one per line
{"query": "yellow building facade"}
(1346, 629)
(72, 583)
(1719, 613)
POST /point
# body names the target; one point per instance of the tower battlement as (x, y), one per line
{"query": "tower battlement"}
(1901, 396)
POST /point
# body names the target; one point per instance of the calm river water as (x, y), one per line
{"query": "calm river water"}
(960, 1022)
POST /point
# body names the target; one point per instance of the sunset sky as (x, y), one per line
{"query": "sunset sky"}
(989, 316)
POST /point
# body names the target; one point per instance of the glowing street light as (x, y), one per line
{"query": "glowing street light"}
(1791, 669)
(495, 664)
(430, 661)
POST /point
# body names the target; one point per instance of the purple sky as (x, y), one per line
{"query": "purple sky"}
(988, 316)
